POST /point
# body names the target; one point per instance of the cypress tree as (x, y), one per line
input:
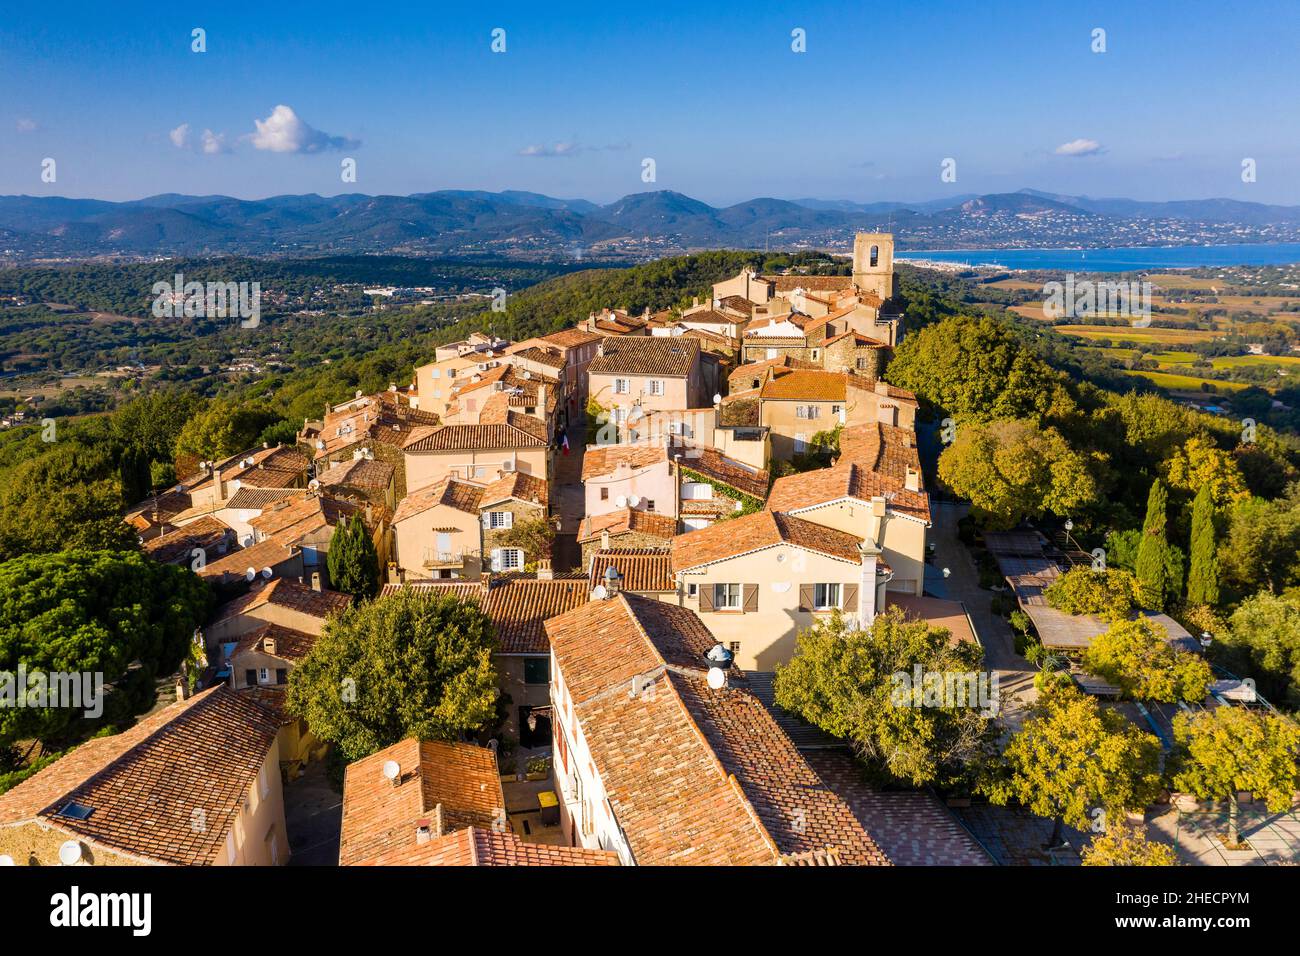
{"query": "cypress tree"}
(1203, 578)
(352, 560)
(1152, 569)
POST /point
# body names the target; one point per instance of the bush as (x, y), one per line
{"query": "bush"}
(1110, 594)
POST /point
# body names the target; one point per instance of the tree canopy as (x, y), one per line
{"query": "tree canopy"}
(861, 685)
(1137, 657)
(411, 664)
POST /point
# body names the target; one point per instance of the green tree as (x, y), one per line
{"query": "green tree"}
(133, 468)
(410, 664)
(98, 612)
(1108, 594)
(1152, 569)
(1125, 845)
(860, 686)
(1137, 657)
(1221, 751)
(223, 428)
(1203, 577)
(536, 536)
(1012, 470)
(1071, 757)
(978, 370)
(352, 561)
(1263, 640)
(1262, 547)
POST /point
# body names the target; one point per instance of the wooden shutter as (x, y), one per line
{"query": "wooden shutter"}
(751, 598)
(806, 597)
(850, 602)
(706, 597)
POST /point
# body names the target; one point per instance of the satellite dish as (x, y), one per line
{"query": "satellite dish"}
(634, 500)
(527, 374)
(392, 770)
(599, 592)
(250, 574)
(621, 501)
(717, 678)
(266, 573)
(717, 399)
(320, 445)
(70, 853)
(314, 484)
(358, 395)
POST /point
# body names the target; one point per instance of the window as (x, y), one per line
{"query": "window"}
(263, 785)
(726, 597)
(655, 387)
(816, 354)
(264, 675)
(734, 647)
(649, 504)
(800, 442)
(826, 596)
(282, 675)
(807, 411)
(622, 386)
(862, 362)
(435, 373)
(250, 677)
(537, 670)
(451, 373)
(604, 494)
(500, 519)
(692, 590)
(875, 257)
(837, 409)
(507, 559)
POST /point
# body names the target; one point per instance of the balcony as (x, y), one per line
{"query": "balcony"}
(444, 559)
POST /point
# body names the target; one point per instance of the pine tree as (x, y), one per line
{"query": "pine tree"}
(1152, 568)
(1203, 578)
(133, 470)
(352, 560)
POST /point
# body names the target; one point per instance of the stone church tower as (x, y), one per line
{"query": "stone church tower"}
(873, 263)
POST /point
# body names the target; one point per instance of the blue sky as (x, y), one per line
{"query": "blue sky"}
(711, 91)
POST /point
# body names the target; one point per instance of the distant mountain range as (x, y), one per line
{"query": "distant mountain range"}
(643, 225)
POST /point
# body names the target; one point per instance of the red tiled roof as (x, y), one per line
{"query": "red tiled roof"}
(143, 785)
(290, 645)
(806, 385)
(474, 846)
(517, 607)
(693, 775)
(665, 356)
(517, 485)
(518, 431)
(788, 283)
(601, 460)
(640, 570)
(380, 817)
(811, 489)
(628, 521)
(711, 463)
(737, 536)
(365, 473)
(208, 533)
(452, 492)
(286, 594)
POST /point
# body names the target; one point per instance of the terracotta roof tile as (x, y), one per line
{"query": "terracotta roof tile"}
(628, 521)
(667, 356)
(287, 594)
(640, 570)
(518, 431)
(601, 460)
(727, 539)
(288, 644)
(144, 785)
(379, 816)
(517, 485)
(474, 846)
(713, 464)
(806, 385)
(214, 537)
(452, 492)
(365, 473)
(811, 489)
(693, 775)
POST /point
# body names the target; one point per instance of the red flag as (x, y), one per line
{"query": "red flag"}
(564, 442)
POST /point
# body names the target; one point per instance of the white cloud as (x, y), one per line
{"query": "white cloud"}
(284, 132)
(570, 148)
(212, 143)
(27, 125)
(180, 136)
(1079, 147)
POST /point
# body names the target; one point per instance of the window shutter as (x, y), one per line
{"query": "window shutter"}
(751, 598)
(508, 519)
(850, 597)
(487, 520)
(706, 597)
(496, 559)
(806, 597)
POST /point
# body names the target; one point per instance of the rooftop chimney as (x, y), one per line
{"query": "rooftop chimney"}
(423, 831)
(604, 540)
(269, 645)
(315, 580)
(544, 570)
(913, 480)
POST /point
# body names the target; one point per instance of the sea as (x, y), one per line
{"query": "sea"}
(1117, 259)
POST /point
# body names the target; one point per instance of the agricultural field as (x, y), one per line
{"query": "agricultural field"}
(1127, 333)
(1184, 383)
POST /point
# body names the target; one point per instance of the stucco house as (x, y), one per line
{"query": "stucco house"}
(480, 452)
